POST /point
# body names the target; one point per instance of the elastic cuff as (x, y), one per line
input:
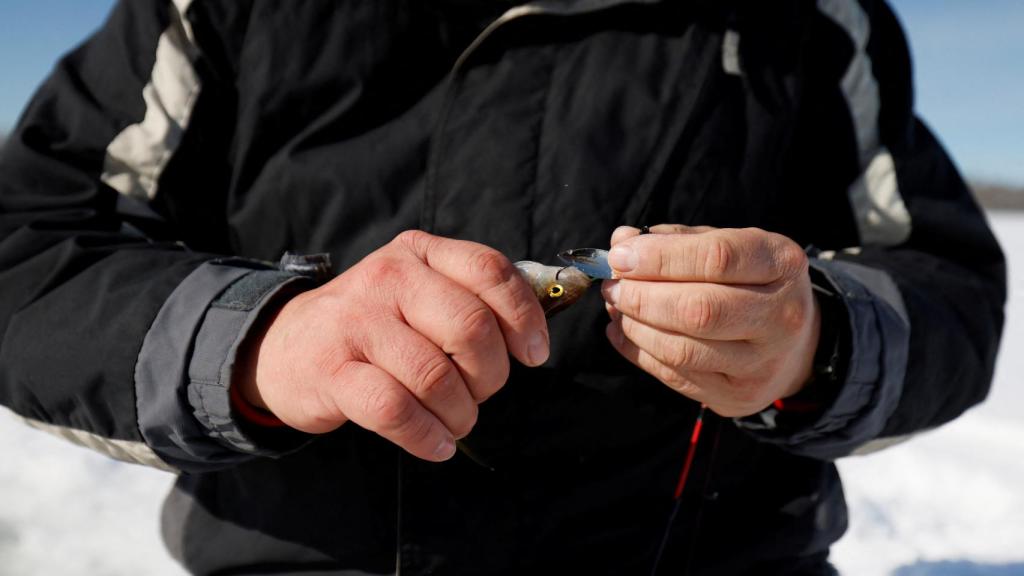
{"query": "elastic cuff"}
(164, 413)
(167, 418)
(250, 413)
(879, 335)
(225, 327)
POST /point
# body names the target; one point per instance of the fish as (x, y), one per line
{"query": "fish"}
(556, 287)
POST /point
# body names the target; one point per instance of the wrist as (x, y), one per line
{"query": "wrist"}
(247, 399)
(250, 412)
(810, 351)
(821, 384)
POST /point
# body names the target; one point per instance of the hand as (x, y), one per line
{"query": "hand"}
(405, 343)
(726, 317)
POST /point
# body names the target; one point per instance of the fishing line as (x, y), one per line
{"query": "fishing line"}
(677, 496)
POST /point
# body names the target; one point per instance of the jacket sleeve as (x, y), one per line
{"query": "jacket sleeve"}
(115, 334)
(924, 290)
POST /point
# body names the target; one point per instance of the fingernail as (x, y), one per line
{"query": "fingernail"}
(611, 291)
(445, 450)
(537, 349)
(623, 258)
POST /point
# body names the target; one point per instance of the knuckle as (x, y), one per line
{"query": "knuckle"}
(718, 257)
(682, 354)
(330, 361)
(414, 239)
(384, 270)
(379, 286)
(790, 258)
(667, 264)
(699, 312)
(435, 376)
(393, 411)
(492, 267)
(793, 316)
(476, 324)
(416, 432)
(523, 303)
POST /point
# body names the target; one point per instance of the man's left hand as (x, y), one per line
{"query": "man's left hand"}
(724, 316)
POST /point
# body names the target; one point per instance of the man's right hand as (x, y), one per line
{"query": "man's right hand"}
(405, 343)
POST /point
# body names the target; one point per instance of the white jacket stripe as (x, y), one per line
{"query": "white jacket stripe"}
(881, 215)
(138, 155)
(123, 450)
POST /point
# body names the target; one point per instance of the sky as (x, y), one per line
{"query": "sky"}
(969, 70)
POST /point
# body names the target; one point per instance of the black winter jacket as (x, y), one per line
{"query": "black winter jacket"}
(188, 143)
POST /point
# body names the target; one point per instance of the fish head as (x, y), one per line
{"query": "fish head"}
(556, 287)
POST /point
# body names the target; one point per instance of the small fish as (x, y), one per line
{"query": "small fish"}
(556, 287)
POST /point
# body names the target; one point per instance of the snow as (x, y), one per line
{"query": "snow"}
(948, 502)
(66, 510)
(954, 493)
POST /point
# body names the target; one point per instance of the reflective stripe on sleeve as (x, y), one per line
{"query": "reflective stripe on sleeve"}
(123, 450)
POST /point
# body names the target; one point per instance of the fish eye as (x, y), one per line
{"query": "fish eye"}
(556, 291)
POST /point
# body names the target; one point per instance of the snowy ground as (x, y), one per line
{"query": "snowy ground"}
(948, 503)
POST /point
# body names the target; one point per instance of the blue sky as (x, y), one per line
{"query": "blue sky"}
(969, 68)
